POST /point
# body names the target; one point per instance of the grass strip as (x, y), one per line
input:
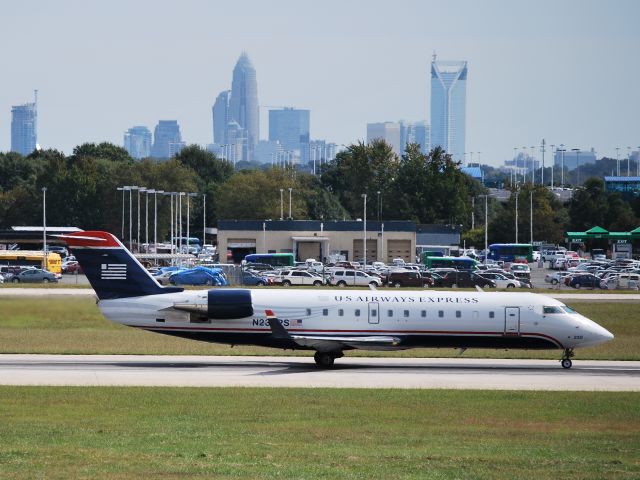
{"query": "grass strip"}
(118, 433)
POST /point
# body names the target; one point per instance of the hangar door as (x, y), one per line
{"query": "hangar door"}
(372, 250)
(399, 249)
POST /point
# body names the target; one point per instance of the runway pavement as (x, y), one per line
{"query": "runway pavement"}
(227, 371)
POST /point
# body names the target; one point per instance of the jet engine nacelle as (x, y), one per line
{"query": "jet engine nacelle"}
(221, 304)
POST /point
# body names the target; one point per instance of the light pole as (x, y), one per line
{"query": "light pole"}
(577, 150)
(473, 212)
(553, 163)
(138, 236)
(562, 150)
(155, 219)
(180, 195)
(290, 217)
(533, 166)
(170, 195)
(123, 190)
(131, 189)
(531, 216)
(379, 204)
(628, 161)
(542, 170)
(204, 219)
(618, 161)
(281, 205)
(44, 226)
(516, 215)
(188, 206)
(486, 228)
(364, 229)
(146, 216)
(515, 163)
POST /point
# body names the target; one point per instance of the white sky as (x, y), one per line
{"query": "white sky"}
(567, 71)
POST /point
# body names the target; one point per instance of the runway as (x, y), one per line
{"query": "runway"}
(353, 372)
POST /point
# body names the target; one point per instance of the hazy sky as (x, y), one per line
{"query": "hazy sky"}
(566, 71)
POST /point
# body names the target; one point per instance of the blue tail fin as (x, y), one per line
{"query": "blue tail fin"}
(111, 269)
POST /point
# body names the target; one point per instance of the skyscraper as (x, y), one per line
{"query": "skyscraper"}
(448, 106)
(166, 139)
(137, 141)
(387, 131)
(24, 127)
(220, 111)
(418, 132)
(290, 127)
(243, 105)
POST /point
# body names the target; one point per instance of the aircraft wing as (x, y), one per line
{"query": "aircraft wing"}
(328, 343)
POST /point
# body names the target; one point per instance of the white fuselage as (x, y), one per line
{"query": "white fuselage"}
(418, 317)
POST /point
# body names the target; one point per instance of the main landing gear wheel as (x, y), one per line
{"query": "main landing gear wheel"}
(326, 359)
(566, 358)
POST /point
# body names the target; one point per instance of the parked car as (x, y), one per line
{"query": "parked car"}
(343, 278)
(71, 267)
(520, 270)
(621, 281)
(34, 275)
(253, 279)
(466, 280)
(500, 280)
(286, 278)
(408, 278)
(583, 280)
(555, 278)
(164, 273)
(199, 276)
(62, 251)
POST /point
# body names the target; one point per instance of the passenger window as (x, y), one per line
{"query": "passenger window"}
(389, 313)
(440, 313)
(325, 312)
(349, 274)
(406, 313)
(475, 314)
(308, 312)
(492, 314)
(340, 312)
(357, 312)
(458, 314)
(374, 313)
(423, 313)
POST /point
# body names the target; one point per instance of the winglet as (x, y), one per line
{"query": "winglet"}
(277, 330)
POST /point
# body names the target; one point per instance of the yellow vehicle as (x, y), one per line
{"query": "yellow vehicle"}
(32, 258)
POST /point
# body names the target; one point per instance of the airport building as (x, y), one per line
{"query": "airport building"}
(317, 239)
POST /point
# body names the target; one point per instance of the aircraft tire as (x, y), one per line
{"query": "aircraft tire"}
(566, 363)
(324, 359)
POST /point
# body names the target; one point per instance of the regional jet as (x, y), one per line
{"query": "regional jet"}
(329, 321)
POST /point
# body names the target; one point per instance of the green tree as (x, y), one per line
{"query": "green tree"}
(104, 150)
(362, 169)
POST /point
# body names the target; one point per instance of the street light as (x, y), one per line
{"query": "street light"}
(155, 219)
(290, 217)
(204, 218)
(577, 150)
(131, 189)
(364, 227)
(188, 204)
(516, 192)
(486, 229)
(379, 204)
(44, 225)
(531, 215)
(146, 216)
(123, 189)
(562, 150)
(553, 163)
(618, 161)
(281, 205)
(628, 161)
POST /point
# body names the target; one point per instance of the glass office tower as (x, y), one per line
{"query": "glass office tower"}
(448, 106)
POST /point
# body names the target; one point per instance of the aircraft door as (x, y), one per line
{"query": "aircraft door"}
(512, 321)
(374, 312)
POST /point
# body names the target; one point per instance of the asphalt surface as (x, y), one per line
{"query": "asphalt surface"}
(236, 371)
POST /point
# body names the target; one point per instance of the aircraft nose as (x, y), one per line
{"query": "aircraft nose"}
(601, 334)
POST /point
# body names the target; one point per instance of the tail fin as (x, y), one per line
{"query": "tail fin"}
(112, 270)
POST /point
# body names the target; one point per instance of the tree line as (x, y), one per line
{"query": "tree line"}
(82, 191)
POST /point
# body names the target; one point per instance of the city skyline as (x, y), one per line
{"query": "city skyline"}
(537, 71)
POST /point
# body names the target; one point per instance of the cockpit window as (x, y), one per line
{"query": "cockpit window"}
(548, 310)
(568, 309)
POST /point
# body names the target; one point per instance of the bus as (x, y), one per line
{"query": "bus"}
(32, 258)
(511, 252)
(459, 263)
(273, 259)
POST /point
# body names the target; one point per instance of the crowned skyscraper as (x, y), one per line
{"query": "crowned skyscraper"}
(243, 104)
(448, 106)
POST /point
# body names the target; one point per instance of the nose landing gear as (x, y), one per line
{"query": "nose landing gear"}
(566, 358)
